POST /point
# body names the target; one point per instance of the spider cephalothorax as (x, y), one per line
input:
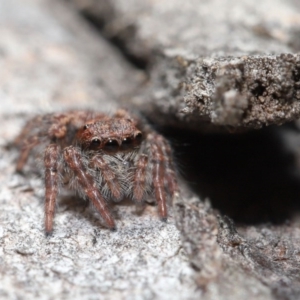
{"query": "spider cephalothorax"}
(102, 157)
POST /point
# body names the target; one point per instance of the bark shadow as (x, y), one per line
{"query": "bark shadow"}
(252, 177)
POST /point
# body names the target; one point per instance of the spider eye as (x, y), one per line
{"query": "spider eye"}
(85, 127)
(139, 136)
(127, 142)
(111, 145)
(95, 142)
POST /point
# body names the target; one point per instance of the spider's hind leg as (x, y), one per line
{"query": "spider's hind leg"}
(26, 147)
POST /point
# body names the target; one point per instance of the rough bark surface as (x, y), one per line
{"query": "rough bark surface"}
(212, 63)
(214, 66)
(51, 60)
(219, 66)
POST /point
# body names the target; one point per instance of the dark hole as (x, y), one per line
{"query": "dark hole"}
(275, 96)
(251, 177)
(258, 90)
(205, 69)
(296, 74)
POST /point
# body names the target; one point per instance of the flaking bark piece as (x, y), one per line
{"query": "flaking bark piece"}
(227, 92)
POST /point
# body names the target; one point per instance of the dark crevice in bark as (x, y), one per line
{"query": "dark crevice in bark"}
(139, 62)
(245, 175)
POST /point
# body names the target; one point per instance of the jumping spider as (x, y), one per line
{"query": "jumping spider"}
(100, 156)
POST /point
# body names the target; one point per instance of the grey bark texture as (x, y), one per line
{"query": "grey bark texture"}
(51, 60)
(217, 62)
(198, 69)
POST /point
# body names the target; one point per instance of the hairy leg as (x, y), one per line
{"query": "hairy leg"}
(51, 183)
(29, 127)
(25, 150)
(108, 175)
(158, 173)
(170, 173)
(140, 178)
(74, 161)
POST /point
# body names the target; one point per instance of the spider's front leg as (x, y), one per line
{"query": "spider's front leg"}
(170, 173)
(108, 176)
(73, 159)
(158, 174)
(51, 183)
(163, 172)
(140, 178)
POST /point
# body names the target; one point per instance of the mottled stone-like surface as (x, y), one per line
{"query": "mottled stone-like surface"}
(193, 67)
(231, 63)
(50, 60)
(224, 66)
